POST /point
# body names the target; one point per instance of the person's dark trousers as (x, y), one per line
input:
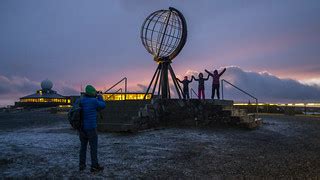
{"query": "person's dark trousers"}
(88, 136)
(186, 94)
(201, 93)
(215, 87)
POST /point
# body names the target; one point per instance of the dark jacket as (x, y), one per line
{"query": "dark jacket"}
(216, 77)
(90, 106)
(201, 81)
(185, 83)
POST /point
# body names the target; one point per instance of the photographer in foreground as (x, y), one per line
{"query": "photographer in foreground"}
(90, 103)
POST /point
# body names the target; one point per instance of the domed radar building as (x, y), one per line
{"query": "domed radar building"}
(45, 97)
(163, 34)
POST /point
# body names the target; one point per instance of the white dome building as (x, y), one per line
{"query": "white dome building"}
(46, 84)
(45, 97)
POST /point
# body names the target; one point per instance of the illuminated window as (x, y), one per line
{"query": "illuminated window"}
(122, 96)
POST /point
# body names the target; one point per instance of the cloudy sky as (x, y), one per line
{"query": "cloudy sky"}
(272, 47)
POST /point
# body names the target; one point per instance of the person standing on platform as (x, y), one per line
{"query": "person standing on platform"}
(216, 82)
(201, 81)
(90, 103)
(185, 82)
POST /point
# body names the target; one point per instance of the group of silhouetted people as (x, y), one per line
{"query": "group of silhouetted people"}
(201, 95)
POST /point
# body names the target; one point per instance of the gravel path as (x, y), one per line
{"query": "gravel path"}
(283, 147)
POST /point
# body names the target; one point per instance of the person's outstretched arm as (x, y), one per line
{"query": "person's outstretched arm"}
(179, 80)
(207, 77)
(195, 78)
(189, 81)
(224, 70)
(101, 104)
(208, 72)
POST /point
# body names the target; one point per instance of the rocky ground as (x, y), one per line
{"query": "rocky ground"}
(39, 144)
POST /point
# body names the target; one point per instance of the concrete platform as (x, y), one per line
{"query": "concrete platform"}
(132, 115)
(117, 116)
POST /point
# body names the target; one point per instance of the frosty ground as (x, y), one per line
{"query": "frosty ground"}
(39, 144)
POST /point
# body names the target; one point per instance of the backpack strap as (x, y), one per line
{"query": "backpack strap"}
(80, 103)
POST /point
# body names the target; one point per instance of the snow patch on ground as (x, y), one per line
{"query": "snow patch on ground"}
(282, 147)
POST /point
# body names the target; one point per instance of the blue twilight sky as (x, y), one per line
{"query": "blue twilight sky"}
(76, 42)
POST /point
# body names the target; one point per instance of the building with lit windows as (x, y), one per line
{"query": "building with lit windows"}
(45, 97)
(125, 96)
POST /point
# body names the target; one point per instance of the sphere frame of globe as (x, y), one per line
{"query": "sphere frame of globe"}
(164, 33)
(46, 84)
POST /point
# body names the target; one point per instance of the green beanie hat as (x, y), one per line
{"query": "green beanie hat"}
(91, 91)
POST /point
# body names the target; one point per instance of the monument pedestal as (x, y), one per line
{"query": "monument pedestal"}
(122, 116)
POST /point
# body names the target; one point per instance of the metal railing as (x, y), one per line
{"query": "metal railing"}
(125, 87)
(193, 92)
(222, 93)
(119, 90)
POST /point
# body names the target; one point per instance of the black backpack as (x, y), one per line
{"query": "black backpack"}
(75, 115)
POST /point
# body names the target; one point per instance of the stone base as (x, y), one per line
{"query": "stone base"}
(139, 115)
(118, 115)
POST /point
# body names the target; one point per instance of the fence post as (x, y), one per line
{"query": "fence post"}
(125, 88)
(222, 89)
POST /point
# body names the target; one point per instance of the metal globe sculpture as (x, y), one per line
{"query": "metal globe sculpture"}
(163, 34)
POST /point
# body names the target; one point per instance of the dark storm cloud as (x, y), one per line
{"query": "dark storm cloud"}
(12, 88)
(269, 87)
(142, 87)
(23, 85)
(15, 85)
(265, 86)
(80, 42)
(68, 90)
(65, 37)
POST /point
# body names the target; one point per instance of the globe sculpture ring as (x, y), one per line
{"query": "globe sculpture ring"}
(164, 33)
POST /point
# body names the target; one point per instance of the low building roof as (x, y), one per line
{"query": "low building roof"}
(44, 95)
(125, 93)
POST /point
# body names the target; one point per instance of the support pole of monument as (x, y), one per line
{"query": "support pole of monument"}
(150, 83)
(155, 36)
(156, 82)
(160, 84)
(169, 93)
(165, 82)
(174, 79)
